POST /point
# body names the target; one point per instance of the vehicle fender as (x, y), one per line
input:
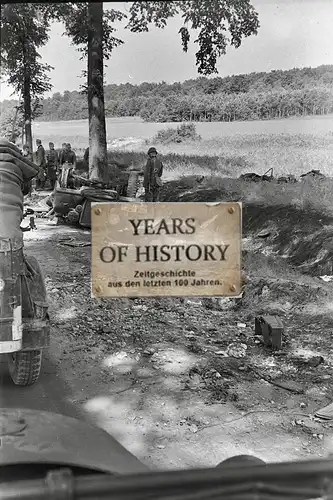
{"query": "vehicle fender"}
(32, 436)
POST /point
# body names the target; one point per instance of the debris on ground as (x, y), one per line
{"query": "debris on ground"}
(253, 177)
(313, 173)
(326, 278)
(271, 328)
(325, 413)
(236, 350)
(315, 361)
(76, 243)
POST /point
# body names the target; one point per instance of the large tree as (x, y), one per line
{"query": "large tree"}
(24, 29)
(96, 108)
(218, 23)
(11, 123)
(92, 31)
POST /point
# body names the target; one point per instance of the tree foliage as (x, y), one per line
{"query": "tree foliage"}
(24, 30)
(11, 123)
(296, 92)
(219, 23)
(75, 20)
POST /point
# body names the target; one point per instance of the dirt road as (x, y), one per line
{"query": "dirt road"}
(153, 373)
(51, 393)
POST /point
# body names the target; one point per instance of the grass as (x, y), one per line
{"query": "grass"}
(285, 153)
(229, 155)
(222, 159)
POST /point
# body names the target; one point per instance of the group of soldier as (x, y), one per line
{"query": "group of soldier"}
(49, 163)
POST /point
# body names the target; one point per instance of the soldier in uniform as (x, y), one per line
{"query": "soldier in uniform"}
(62, 154)
(52, 161)
(27, 153)
(86, 156)
(70, 155)
(41, 164)
(152, 176)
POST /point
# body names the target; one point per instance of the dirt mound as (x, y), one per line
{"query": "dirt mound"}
(303, 237)
(279, 296)
(194, 188)
(258, 216)
(314, 253)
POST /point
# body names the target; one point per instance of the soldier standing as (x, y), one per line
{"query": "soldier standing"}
(152, 176)
(86, 156)
(70, 155)
(62, 154)
(40, 162)
(52, 161)
(27, 153)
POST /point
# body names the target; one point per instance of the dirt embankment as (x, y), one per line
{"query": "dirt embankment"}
(303, 236)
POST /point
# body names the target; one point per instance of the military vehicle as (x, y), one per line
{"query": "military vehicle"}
(24, 320)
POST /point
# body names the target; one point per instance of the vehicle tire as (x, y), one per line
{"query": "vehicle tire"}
(132, 185)
(241, 461)
(24, 367)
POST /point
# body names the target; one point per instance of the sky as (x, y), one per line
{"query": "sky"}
(292, 33)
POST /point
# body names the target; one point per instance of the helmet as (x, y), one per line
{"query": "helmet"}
(152, 150)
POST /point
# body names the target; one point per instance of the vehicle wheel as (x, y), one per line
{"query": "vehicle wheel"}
(61, 221)
(132, 186)
(241, 461)
(25, 366)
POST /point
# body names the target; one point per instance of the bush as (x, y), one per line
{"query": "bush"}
(184, 132)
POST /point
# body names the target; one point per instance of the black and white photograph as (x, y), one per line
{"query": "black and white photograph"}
(166, 250)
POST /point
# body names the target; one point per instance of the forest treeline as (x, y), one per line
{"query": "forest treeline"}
(254, 96)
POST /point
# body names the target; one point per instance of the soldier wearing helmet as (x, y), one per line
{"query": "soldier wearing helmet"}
(52, 164)
(152, 176)
(70, 155)
(41, 164)
(67, 155)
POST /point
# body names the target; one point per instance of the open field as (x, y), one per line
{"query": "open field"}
(222, 159)
(289, 146)
(136, 128)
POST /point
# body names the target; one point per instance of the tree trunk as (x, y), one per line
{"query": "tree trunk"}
(27, 99)
(23, 135)
(13, 136)
(96, 109)
(27, 118)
